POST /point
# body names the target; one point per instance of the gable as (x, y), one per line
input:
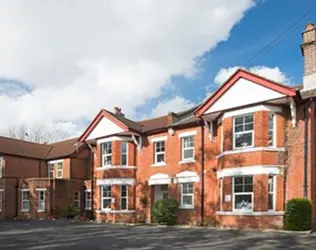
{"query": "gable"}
(104, 127)
(243, 92)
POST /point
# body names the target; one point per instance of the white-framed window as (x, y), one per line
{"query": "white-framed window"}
(59, 172)
(271, 192)
(41, 200)
(188, 147)
(187, 195)
(25, 201)
(164, 191)
(50, 171)
(1, 200)
(124, 197)
(88, 197)
(160, 152)
(243, 193)
(243, 132)
(272, 140)
(106, 153)
(124, 153)
(1, 167)
(77, 200)
(106, 197)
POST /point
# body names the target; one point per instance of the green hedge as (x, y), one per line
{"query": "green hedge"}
(165, 211)
(298, 215)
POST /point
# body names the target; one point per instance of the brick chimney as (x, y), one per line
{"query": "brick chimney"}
(118, 111)
(308, 49)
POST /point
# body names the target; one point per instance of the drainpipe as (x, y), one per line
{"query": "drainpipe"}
(202, 173)
(305, 185)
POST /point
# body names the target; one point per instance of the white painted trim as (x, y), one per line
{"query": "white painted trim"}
(250, 170)
(247, 150)
(186, 177)
(1, 189)
(114, 138)
(187, 161)
(293, 112)
(189, 133)
(157, 139)
(23, 189)
(114, 167)
(114, 181)
(88, 190)
(159, 179)
(159, 164)
(108, 211)
(186, 207)
(55, 161)
(41, 189)
(239, 213)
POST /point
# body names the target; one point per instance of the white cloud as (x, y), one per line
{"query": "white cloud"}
(175, 104)
(274, 74)
(80, 57)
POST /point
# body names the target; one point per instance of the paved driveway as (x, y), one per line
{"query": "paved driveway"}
(77, 236)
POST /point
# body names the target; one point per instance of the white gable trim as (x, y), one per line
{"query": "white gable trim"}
(116, 181)
(159, 179)
(187, 177)
(250, 170)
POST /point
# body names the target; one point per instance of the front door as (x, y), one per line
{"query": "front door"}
(161, 192)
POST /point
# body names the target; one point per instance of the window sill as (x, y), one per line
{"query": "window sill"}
(115, 167)
(250, 149)
(160, 164)
(188, 161)
(186, 207)
(26, 211)
(251, 213)
(109, 211)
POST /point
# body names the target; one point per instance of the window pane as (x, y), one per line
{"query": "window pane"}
(238, 180)
(25, 195)
(243, 201)
(243, 140)
(188, 154)
(239, 120)
(248, 188)
(187, 200)
(160, 158)
(124, 190)
(271, 120)
(248, 118)
(239, 128)
(248, 179)
(238, 189)
(270, 202)
(187, 188)
(124, 147)
(106, 203)
(124, 160)
(124, 203)
(164, 187)
(249, 127)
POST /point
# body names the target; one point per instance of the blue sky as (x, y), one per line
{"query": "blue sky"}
(261, 25)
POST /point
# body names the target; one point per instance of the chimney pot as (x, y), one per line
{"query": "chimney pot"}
(118, 111)
(309, 26)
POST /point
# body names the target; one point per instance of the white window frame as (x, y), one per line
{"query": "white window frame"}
(59, 170)
(124, 197)
(273, 192)
(188, 148)
(39, 200)
(1, 166)
(88, 201)
(106, 198)
(192, 195)
(244, 132)
(274, 137)
(50, 169)
(242, 193)
(23, 209)
(159, 153)
(125, 155)
(77, 204)
(1, 200)
(105, 155)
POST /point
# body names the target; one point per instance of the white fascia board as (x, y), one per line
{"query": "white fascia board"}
(157, 139)
(189, 133)
(56, 161)
(114, 181)
(113, 138)
(250, 170)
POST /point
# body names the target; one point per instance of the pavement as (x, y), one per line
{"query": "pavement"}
(84, 235)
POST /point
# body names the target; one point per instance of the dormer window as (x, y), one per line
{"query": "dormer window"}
(243, 131)
(106, 154)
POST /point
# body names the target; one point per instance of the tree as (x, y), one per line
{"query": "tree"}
(37, 133)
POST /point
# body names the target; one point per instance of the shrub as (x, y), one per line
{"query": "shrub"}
(298, 215)
(165, 211)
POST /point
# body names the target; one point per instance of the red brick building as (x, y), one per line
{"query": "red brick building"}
(235, 159)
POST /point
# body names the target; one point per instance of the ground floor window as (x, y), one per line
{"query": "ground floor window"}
(187, 195)
(1, 199)
(106, 197)
(271, 192)
(77, 200)
(124, 197)
(88, 200)
(41, 200)
(25, 206)
(243, 193)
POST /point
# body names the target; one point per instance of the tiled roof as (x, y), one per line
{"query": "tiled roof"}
(64, 148)
(154, 123)
(129, 123)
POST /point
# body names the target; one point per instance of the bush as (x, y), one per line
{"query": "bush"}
(165, 211)
(298, 215)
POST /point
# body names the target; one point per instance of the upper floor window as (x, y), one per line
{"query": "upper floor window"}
(159, 152)
(271, 129)
(106, 153)
(243, 192)
(188, 148)
(243, 131)
(50, 170)
(59, 170)
(1, 166)
(124, 149)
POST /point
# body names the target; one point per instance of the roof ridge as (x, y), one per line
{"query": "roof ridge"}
(152, 118)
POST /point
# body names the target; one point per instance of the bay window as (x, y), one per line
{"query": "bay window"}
(243, 193)
(124, 148)
(243, 133)
(159, 152)
(187, 195)
(271, 129)
(106, 154)
(188, 148)
(106, 197)
(271, 192)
